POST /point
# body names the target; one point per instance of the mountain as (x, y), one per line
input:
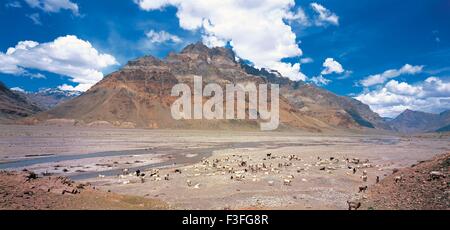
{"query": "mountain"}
(49, 98)
(14, 106)
(138, 95)
(415, 121)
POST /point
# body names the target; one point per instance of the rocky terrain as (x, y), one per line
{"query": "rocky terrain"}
(14, 106)
(415, 122)
(424, 186)
(28, 191)
(46, 99)
(138, 95)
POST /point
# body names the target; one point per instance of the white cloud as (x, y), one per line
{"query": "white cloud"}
(431, 95)
(306, 60)
(13, 4)
(332, 66)
(54, 6)
(68, 56)
(35, 18)
(299, 17)
(389, 74)
(255, 29)
(162, 37)
(325, 16)
(18, 89)
(320, 80)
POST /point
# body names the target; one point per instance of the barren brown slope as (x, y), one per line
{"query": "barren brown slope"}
(424, 186)
(138, 95)
(19, 191)
(14, 106)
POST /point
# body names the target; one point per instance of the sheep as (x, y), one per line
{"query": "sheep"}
(354, 170)
(398, 179)
(138, 172)
(189, 183)
(353, 205)
(378, 179)
(434, 175)
(364, 178)
(287, 182)
(362, 189)
(177, 171)
(364, 173)
(271, 183)
(166, 177)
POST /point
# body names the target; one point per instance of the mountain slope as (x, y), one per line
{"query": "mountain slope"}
(49, 98)
(14, 106)
(138, 95)
(414, 121)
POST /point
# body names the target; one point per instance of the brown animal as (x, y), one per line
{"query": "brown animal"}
(353, 205)
(362, 189)
(378, 179)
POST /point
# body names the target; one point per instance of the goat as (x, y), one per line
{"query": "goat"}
(166, 177)
(398, 179)
(353, 205)
(362, 189)
(378, 179)
(177, 171)
(354, 170)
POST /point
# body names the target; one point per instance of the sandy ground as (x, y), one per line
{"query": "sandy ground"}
(218, 170)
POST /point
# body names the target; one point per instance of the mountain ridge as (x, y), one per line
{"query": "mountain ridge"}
(138, 95)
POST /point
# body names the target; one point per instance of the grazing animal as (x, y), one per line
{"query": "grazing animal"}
(354, 170)
(378, 179)
(166, 177)
(353, 205)
(364, 178)
(177, 171)
(364, 173)
(138, 172)
(434, 175)
(269, 154)
(287, 182)
(398, 179)
(189, 183)
(271, 183)
(362, 189)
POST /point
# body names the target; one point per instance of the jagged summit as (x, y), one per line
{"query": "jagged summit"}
(138, 95)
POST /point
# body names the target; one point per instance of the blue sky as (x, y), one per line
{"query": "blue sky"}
(390, 54)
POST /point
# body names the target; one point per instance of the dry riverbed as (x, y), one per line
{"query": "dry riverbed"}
(218, 170)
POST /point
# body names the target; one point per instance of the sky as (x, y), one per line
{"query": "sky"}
(390, 54)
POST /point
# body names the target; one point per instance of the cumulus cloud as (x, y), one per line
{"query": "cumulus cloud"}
(325, 16)
(431, 95)
(389, 74)
(332, 66)
(67, 56)
(54, 6)
(162, 37)
(256, 30)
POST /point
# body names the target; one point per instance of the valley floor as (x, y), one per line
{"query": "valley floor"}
(218, 169)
